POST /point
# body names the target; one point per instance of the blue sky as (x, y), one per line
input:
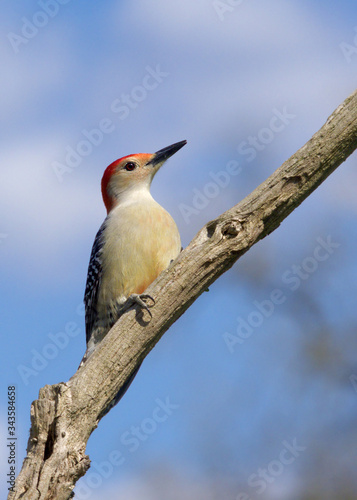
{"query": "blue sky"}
(148, 74)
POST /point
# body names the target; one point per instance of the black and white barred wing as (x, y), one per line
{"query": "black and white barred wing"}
(94, 277)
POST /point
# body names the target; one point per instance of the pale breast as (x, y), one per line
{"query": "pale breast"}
(142, 241)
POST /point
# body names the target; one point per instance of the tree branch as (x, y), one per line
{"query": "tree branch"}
(65, 415)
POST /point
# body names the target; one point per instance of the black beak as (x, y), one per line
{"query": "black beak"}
(165, 153)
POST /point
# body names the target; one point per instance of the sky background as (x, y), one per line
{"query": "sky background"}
(215, 73)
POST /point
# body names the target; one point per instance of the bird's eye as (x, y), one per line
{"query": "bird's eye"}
(130, 166)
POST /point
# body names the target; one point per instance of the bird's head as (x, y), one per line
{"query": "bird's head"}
(133, 173)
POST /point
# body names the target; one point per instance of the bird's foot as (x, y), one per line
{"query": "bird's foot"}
(143, 300)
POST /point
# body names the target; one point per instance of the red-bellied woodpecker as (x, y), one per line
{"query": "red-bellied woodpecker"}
(136, 242)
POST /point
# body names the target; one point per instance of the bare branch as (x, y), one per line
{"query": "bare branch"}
(66, 414)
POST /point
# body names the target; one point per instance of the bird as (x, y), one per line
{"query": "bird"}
(136, 242)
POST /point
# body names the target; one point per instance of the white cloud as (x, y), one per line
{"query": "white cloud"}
(44, 219)
(225, 79)
(31, 76)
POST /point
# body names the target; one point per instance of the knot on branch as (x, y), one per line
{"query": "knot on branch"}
(211, 228)
(231, 228)
(228, 229)
(50, 441)
(292, 182)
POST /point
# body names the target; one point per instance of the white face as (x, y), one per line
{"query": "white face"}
(132, 173)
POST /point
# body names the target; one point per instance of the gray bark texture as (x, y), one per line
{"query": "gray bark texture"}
(65, 414)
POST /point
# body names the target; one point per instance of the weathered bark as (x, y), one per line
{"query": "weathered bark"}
(66, 414)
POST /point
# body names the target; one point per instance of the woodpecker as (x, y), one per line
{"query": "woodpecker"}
(136, 242)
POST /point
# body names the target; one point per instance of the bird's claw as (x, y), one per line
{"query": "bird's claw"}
(141, 300)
